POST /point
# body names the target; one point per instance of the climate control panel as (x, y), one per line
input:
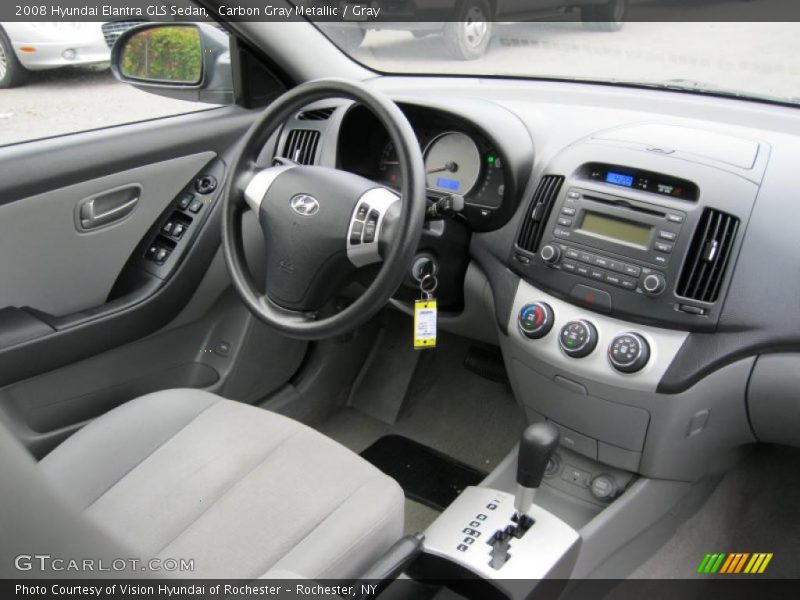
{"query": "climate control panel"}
(628, 352)
(582, 346)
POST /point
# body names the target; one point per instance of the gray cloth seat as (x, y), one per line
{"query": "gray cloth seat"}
(242, 491)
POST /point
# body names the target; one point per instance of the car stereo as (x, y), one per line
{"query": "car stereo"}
(614, 253)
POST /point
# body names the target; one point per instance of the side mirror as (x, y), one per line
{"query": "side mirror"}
(186, 61)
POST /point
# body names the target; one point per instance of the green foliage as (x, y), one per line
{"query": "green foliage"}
(172, 54)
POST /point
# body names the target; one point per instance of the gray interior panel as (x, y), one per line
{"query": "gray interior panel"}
(772, 399)
(76, 270)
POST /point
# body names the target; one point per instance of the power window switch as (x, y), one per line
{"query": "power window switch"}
(185, 200)
(151, 252)
(195, 206)
(178, 230)
(168, 227)
(161, 256)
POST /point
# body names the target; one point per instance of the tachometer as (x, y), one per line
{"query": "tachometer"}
(453, 163)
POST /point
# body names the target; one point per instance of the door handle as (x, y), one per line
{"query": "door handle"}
(107, 208)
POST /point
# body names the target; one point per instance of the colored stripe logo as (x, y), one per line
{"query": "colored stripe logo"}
(734, 563)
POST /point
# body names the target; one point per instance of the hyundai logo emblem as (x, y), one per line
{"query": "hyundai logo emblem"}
(304, 205)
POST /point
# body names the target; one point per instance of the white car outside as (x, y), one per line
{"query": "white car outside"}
(28, 47)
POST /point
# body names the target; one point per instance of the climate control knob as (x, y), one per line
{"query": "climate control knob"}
(578, 338)
(629, 352)
(550, 254)
(535, 320)
(654, 284)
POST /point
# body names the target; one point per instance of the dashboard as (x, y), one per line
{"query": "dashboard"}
(620, 254)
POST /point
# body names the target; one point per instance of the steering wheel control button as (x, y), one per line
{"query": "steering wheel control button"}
(355, 234)
(578, 338)
(654, 284)
(629, 352)
(361, 213)
(593, 298)
(535, 320)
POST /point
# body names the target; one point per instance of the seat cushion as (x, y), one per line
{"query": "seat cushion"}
(241, 490)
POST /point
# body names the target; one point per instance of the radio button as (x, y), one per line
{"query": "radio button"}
(616, 265)
(613, 279)
(550, 254)
(673, 218)
(565, 222)
(668, 235)
(601, 261)
(562, 233)
(664, 247)
(661, 260)
(654, 284)
(572, 253)
(586, 257)
(568, 210)
(596, 274)
(632, 270)
(582, 270)
(568, 265)
(627, 283)
(573, 194)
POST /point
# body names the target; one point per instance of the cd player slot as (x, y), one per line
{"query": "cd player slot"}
(625, 204)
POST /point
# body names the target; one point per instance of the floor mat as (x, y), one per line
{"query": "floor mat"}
(426, 475)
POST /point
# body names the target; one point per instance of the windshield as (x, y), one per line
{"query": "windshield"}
(754, 60)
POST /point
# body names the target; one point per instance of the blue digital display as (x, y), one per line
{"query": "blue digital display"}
(619, 179)
(448, 184)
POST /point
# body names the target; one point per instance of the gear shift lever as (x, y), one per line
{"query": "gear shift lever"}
(536, 446)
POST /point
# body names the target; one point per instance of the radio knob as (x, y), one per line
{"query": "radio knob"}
(629, 352)
(654, 284)
(550, 254)
(578, 338)
(535, 320)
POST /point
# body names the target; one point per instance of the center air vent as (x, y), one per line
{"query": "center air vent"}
(539, 211)
(318, 114)
(301, 146)
(708, 257)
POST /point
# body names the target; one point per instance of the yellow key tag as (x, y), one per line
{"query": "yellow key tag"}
(424, 324)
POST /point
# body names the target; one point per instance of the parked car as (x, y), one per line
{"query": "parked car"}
(26, 47)
(467, 25)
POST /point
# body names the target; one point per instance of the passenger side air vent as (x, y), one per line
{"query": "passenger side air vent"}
(709, 253)
(319, 114)
(301, 146)
(539, 211)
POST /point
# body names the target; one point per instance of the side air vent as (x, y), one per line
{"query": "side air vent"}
(708, 257)
(319, 114)
(539, 211)
(301, 146)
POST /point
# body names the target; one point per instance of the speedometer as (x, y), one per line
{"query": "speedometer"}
(452, 163)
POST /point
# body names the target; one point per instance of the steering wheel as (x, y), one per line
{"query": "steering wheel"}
(321, 225)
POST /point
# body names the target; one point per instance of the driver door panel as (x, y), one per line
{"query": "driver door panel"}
(88, 320)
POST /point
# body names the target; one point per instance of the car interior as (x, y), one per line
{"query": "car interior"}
(351, 324)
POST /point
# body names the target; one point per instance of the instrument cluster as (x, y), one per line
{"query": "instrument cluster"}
(458, 158)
